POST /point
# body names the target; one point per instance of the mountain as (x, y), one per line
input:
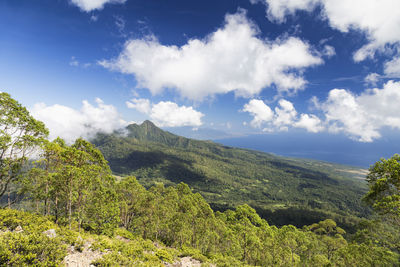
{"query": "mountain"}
(283, 190)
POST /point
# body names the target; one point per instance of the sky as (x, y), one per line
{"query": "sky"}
(316, 69)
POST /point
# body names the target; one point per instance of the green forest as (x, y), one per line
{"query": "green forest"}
(282, 190)
(70, 199)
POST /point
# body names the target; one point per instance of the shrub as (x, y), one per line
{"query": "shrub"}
(20, 249)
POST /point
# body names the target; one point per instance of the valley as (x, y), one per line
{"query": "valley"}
(227, 177)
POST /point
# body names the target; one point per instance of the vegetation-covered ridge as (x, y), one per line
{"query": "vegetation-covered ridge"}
(299, 191)
(76, 205)
(162, 225)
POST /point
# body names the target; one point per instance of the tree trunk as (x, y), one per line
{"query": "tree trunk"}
(70, 203)
(9, 200)
(56, 211)
(46, 201)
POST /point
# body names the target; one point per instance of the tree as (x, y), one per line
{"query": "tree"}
(384, 187)
(39, 184)
(85, 188)
(20, 134)
(132, 196)
(74, 183)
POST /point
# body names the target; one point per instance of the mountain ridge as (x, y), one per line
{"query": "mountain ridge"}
(228, 176)
(148, 131)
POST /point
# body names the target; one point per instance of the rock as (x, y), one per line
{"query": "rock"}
(81, 259)
(50, 233)
(18, 229)
(185, 262)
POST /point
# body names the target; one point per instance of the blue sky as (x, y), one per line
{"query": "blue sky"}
(315, 68)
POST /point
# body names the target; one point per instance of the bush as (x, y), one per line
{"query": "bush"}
(164, 255)
(32, 223)
(20, 249)
(194, 253)
(113, 259)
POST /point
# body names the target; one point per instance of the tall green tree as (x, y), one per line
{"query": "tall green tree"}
(74, 183)
(384, 187)
(20, 134)
(86, 187)
(132, 196)
(39, 184)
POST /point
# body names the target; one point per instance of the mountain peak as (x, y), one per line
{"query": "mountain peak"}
(148, 123)
(148, 131)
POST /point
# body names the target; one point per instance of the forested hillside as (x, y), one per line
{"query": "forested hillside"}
(67, 207)
(298, 191)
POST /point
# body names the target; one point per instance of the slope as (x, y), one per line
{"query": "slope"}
(226, 176)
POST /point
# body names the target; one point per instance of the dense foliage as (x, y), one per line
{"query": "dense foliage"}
(283, 190)
(77, 205)
(180, 223)
(384, 185)
(20, 133)
(31, 246)
(74, 182)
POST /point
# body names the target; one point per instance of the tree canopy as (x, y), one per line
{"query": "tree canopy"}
(384, 186)
(74, 187)
(20, 134)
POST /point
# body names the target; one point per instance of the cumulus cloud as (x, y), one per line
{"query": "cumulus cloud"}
(378, 19)
(309, 122)
(278, 9)
(232, 59)
(69, 123)
(166, 113)
(285, 114)
(90, 5)
(283, 117)
(363, 116)
(260, 111)
(140, 104)
(392, 68)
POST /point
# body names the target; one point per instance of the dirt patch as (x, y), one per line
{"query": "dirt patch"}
(359, 174)
(81, 259)
(185, 262)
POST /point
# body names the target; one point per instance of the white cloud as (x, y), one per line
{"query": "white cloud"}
(362, 116)
(378, 19)
(260, 111)
(69, 123)
(372, 78)
(392, 68)
(140, 104)
(232, 59)
(310, 122)
(166, 113)
(345, 114)
(279, 9)
(283, 117)
(89, 5)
